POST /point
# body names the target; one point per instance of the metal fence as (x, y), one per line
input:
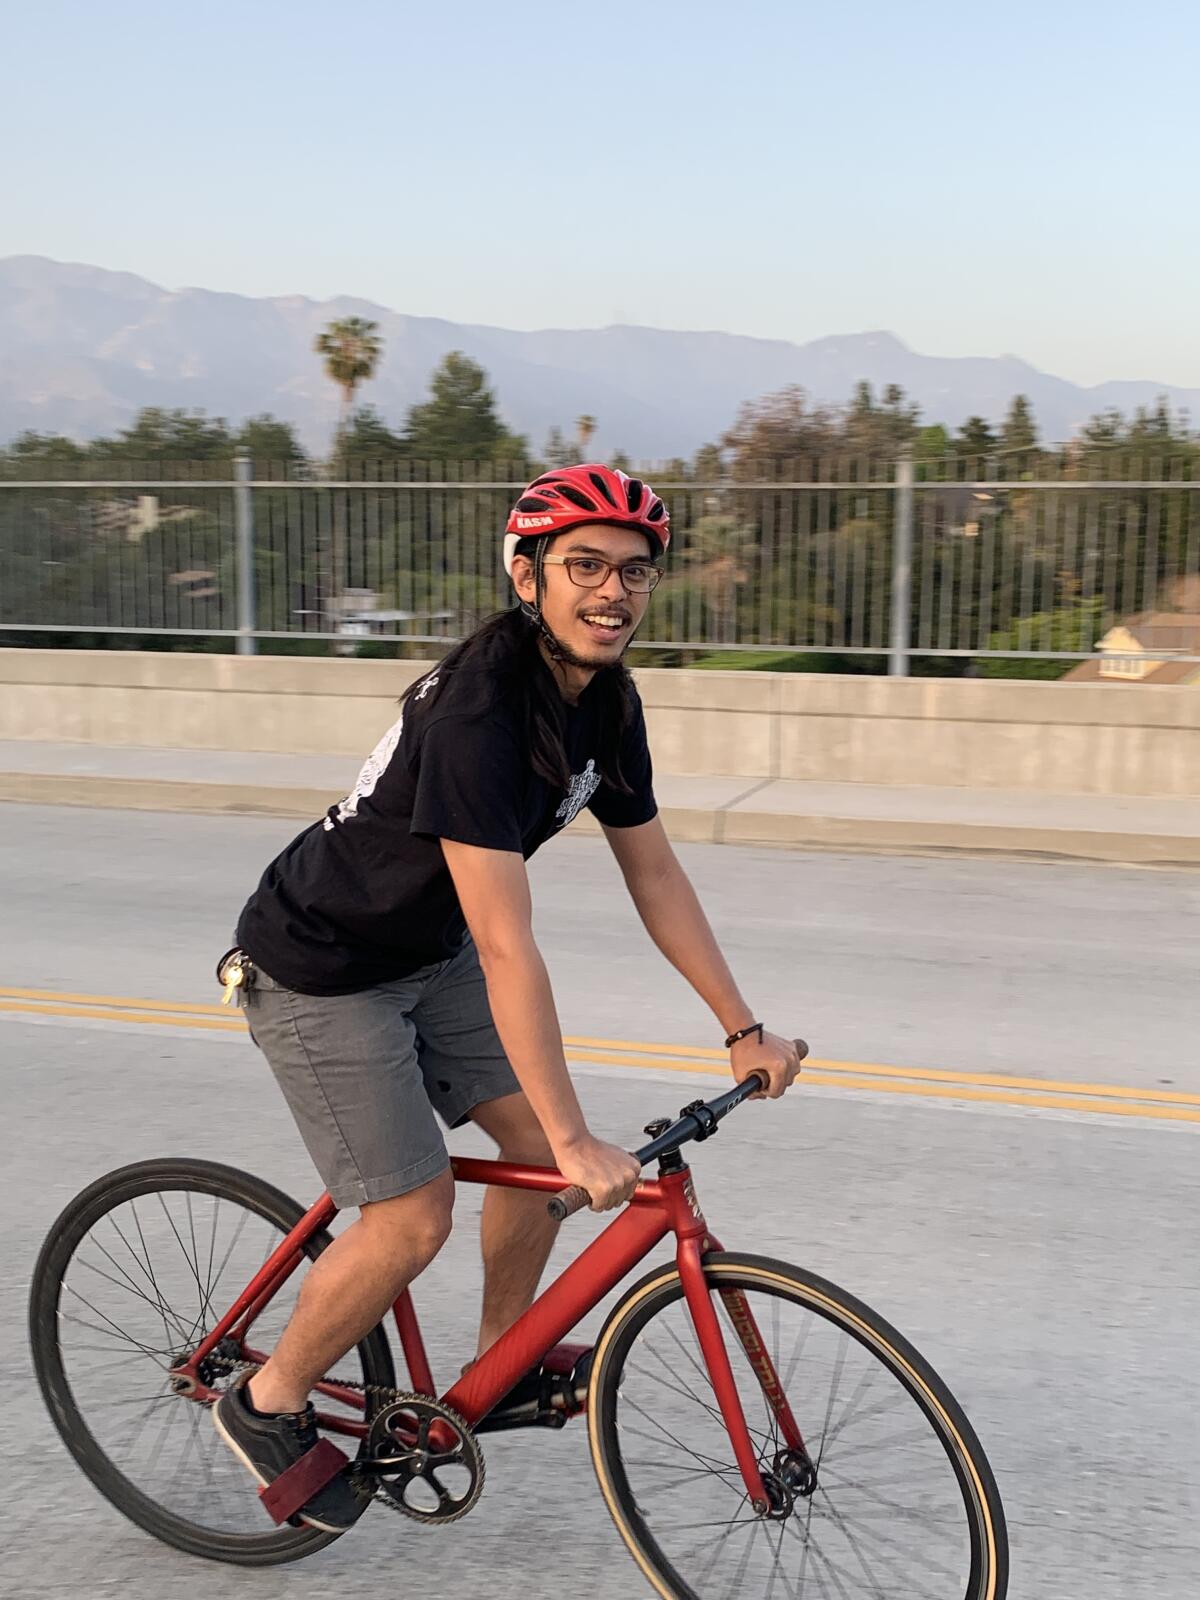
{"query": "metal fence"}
(847, 558)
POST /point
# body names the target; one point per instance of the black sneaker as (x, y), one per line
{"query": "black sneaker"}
(267, 1446)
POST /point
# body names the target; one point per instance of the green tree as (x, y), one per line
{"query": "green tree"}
(1019, 431)
(879, 431)
(352, 349)
(932, 442)
(557, 452)
(157, 434)
(708, 465)
(777, 429)
(266, 440)
(366, 434)
(459, 421)
(975, 438)
(1076, 626)
(43, 455)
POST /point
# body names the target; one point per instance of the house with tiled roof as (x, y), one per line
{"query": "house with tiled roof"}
(1150, 648)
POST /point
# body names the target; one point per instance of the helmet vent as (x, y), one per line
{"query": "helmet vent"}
(569, 492)
(634, 491)
(656, 512)
(531, 502)
(603, 488)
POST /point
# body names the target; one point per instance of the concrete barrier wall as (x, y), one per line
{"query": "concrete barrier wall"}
(979, 733)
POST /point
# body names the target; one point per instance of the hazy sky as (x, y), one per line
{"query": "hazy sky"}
(979, 179)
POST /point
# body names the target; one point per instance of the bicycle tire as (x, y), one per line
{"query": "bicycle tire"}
(91, 1206)
(658, 1291)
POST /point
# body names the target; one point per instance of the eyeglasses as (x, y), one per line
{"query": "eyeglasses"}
(589, 572)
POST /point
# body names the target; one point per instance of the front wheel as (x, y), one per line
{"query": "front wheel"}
(890, 1495)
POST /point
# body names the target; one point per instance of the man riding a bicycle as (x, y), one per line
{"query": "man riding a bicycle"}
(387, 964)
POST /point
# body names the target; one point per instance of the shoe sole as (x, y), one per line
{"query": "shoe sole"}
(228, 1439)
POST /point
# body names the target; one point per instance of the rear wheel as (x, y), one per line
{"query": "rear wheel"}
(892, 1494)
(132, 1276)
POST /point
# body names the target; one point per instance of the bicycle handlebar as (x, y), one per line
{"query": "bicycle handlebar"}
(697, 1121)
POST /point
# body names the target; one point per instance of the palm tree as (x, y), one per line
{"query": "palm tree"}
(352, 348)
(585, 427)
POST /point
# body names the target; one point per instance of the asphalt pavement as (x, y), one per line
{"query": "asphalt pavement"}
(1042, 1259)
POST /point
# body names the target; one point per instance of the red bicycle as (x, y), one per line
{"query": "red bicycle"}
(755, 1430)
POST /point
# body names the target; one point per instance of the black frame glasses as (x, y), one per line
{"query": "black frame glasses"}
(600, 578)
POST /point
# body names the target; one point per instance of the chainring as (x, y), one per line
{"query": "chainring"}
(402, 1458)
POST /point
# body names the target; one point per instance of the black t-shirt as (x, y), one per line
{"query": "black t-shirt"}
(364, 895)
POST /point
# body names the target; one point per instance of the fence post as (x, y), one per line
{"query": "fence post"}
(243, 527)
(902, 548)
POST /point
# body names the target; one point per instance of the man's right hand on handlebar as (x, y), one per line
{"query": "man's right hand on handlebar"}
(776, 1058)
(608, 1173)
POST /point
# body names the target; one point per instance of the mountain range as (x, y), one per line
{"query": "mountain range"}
(83, 348)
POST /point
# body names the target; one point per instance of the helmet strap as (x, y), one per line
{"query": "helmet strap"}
(534, 612)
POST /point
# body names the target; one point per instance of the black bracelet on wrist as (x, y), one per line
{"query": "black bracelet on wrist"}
(744, 1033)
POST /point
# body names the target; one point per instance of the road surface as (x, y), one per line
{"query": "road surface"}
(1042, 1258)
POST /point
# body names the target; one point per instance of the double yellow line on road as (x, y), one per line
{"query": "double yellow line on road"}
(1112, 1100)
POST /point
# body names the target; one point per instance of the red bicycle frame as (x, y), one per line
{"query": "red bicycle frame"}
(666, 1204)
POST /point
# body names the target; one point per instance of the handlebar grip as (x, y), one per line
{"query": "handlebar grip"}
(801, 1051)
(567, 1202)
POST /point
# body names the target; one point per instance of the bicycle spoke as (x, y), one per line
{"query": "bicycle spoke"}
(843, 1592)
(673, 1466)
(117, 1333)
(149, 1267)
(245, 1217)
(129, 1288)
(859, 1556)
(155, 1298)
(690, 1394)
(906, 1435)
(878, 1408)
(867, 1534)
(183, 1248)
(777, 1571)
(696, 1456)
(134, 1399)
(833, 1382)
(848, 1411)
(163, 1434)
(735, 1583)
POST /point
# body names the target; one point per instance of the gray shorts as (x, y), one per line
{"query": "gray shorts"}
(364, 1073)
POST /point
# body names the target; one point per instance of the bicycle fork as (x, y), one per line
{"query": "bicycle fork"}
(697, 1292)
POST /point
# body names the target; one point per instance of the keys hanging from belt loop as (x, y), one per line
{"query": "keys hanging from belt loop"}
(234, 972)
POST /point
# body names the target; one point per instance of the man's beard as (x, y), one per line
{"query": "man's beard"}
(565, 656)
(569, 658)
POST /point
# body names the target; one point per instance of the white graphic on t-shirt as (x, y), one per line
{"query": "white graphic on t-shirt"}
(372, 770)
(583, 786)
(426, 686)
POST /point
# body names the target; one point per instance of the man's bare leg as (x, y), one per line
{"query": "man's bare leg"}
(516, 1232)
(349, 1288)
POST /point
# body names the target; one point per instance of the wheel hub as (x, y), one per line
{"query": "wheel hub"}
(779, 1497)
(795, 1469)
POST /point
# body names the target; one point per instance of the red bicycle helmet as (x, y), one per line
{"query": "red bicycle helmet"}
(566, 496)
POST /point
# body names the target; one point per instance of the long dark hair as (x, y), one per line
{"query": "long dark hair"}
(514, 642)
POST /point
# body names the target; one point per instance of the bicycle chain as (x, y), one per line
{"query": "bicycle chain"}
(383, 1396)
